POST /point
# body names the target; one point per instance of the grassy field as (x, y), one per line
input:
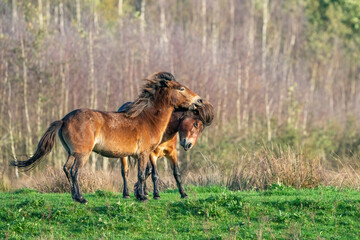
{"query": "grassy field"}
(209, 213)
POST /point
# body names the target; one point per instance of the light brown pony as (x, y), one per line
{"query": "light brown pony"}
(189, 124)
(135, 133)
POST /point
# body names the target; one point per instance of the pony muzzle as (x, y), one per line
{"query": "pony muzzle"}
(198, 102)
(185, 144)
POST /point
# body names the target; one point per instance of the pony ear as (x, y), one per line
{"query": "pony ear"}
(164, 83)
(164, 75)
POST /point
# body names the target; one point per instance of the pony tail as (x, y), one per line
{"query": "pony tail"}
(44, 147)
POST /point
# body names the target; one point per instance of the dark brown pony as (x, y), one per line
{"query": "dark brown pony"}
(189, 124)
(134, 133)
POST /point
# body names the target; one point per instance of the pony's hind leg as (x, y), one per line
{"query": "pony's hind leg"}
(70, 159)
(67, 167)
(125, 174)
(80, 160)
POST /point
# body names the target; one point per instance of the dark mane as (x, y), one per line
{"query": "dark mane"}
(205, 113)
(153, 83)
(125, 107)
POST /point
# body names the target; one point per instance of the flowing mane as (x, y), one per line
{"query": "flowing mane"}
(153, 83)
(204, 112)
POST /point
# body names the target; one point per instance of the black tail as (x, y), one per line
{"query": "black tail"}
(44, 147)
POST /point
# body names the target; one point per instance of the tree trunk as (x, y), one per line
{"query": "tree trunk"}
(14, 16)
(285, 75)
(311, 97)
(78, 13)
(39, 111)
(48, 16)
(63, 83)
(56, 15)
(142, 29)
(120, 7)
(163, 28)
(131, 67)
(263, 69)
(96, 17)
(92, 81)
(238, 101)
(246, 100)
(26, 109)
(204, 31)
(274, 66)
(61, 12)
(66, 100)
(41, 16)
(107, 95)
(249, 62)
(12, 143)
(215, 34)
(225, 95)
(329, 86)
(219, 101)
(9, 100)
(343, 84)
(232, 23)
(353, 87)
(3, 94)
(142, 17)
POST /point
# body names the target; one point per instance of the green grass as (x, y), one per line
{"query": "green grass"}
(209, 213)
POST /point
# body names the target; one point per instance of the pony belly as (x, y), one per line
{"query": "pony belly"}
(115, 149)
(111, 153)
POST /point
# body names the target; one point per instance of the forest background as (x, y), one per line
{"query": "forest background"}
(283, 76)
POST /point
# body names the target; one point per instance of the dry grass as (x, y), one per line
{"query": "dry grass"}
(258, 170)
(261, 169)
(346, 175)
(54, 180)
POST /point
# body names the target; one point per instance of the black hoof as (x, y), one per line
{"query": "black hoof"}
(126, 196)
(184, 195)
(143, 199)
(146, 194)
(82, 201)
(157, 197)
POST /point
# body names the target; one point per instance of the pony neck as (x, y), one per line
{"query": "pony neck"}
(174, 125)
(160, 112)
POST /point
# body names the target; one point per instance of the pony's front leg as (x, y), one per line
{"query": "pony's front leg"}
(176, 171)
(139, 186)
(155, 175)
(148, 172)
(125, 174)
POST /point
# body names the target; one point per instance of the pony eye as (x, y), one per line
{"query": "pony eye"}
(196, 125)
(182, 89)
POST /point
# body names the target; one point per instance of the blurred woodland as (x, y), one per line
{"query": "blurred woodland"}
(283, 75)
